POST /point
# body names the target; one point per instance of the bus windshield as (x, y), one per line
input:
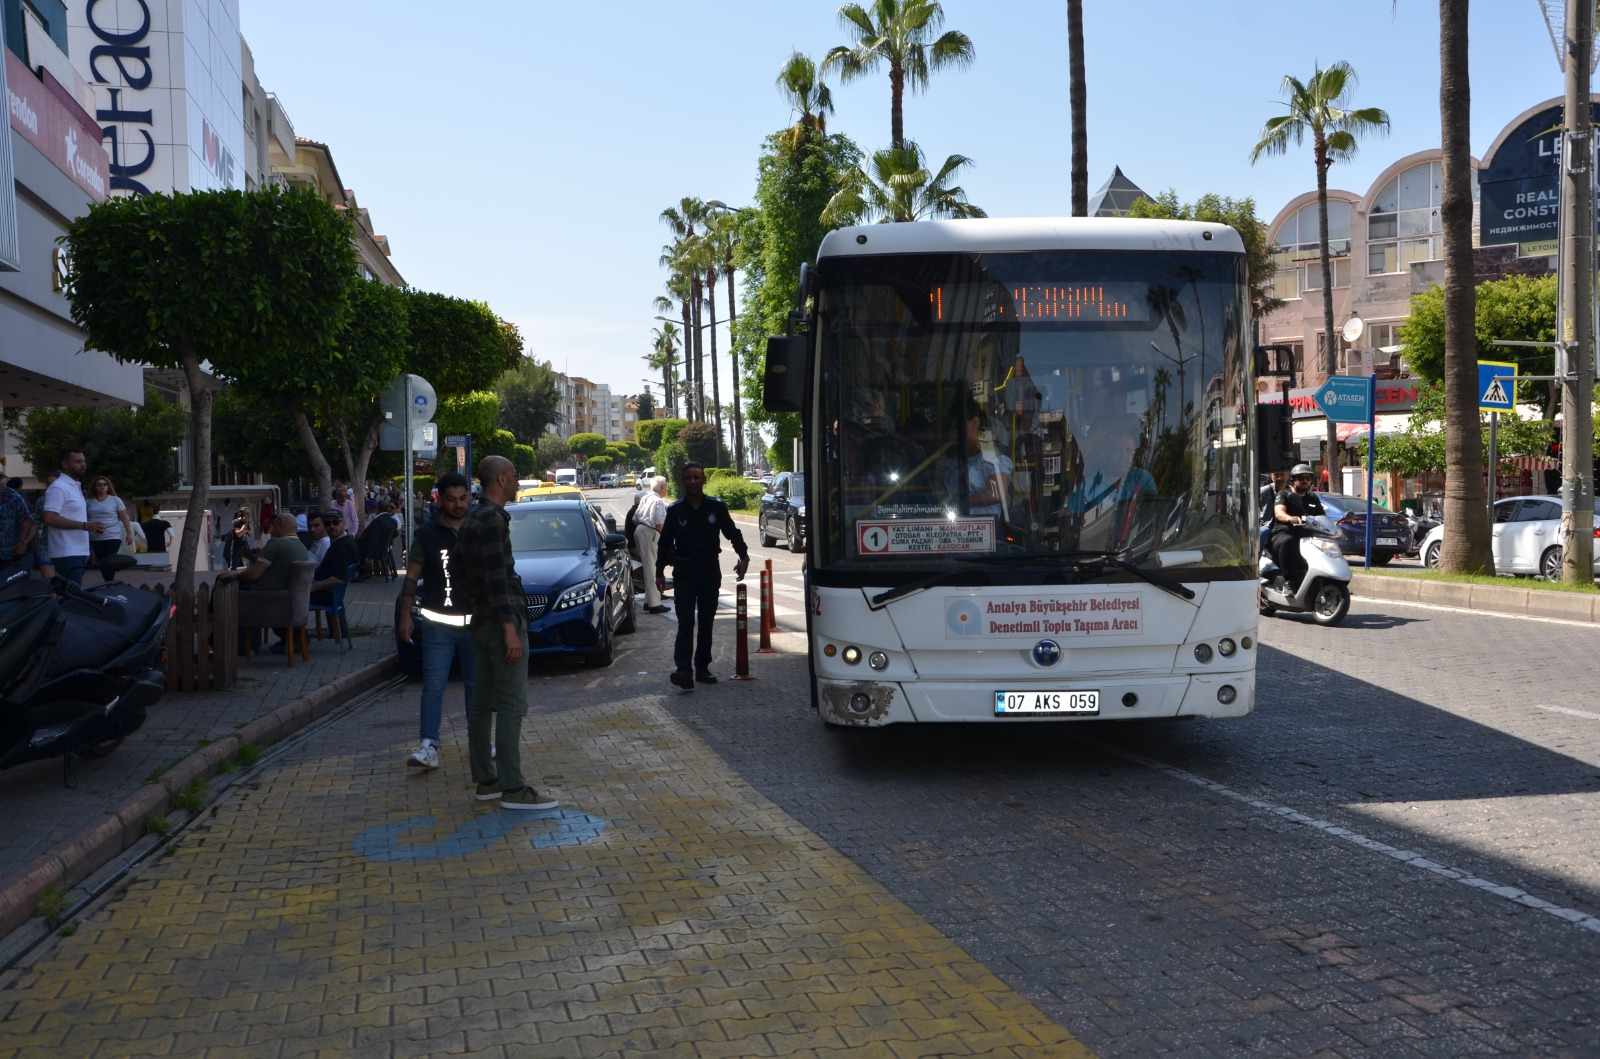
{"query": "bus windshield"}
(1042, 404)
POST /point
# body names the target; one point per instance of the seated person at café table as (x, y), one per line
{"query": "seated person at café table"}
(270, 570)
(334, 567)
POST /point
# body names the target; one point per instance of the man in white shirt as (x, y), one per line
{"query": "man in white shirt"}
(320, 541)
(66, 520)
(648, 518)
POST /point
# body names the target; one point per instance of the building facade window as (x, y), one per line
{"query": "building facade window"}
(1403, 226)
(1298, 250)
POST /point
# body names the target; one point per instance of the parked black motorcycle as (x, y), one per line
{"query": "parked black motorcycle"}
(79, 668)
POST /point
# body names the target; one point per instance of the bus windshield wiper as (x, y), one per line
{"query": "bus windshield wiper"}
(1121, 562)
(921, 584)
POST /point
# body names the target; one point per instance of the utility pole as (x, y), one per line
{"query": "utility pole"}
(1577, 300)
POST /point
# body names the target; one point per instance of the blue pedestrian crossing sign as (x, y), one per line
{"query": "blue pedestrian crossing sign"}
(1497, 385)
(1344, 399)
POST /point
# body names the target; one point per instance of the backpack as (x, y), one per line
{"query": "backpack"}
(630, 522)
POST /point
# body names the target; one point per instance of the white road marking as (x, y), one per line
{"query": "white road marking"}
(1570, 712)
(1577, 917)
(1476, 613)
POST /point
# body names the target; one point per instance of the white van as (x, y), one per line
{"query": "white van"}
(566, 476)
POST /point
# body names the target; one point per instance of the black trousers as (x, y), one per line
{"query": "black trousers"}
(1286, 551)
(694, 597)
(104, 550)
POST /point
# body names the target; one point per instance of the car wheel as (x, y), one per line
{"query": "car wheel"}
(1431, 558)
(1550, 564)
(767, 539)
(628, 624)
(606, 653)
(791, 532)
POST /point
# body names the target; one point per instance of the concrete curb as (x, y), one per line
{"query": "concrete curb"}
(96, 843)
(1508, 601)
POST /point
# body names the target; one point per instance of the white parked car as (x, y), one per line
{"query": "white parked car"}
(1526, 537)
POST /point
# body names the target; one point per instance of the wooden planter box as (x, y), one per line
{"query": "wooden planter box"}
(203, 639)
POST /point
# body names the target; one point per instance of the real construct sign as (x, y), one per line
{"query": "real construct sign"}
(1519, 189)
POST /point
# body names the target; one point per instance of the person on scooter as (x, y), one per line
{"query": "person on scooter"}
(1290, 511)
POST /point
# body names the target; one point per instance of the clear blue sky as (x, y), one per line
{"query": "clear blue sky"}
(520, 152)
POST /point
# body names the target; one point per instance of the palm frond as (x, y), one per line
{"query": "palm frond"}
(953, 49)
(854, 16)
(1276, 135)
(1334, 83)
(1341, 145)
(914, 64)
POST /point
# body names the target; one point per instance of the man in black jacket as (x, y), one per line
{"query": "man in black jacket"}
(690, 546)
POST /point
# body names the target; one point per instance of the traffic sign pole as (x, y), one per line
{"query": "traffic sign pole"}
(1372, 450)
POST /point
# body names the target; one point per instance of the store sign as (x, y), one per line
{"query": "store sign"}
(1103, 615)
(1520, 188)
(1393, 396)
(10, 237)
(45, 114)
(119, 62)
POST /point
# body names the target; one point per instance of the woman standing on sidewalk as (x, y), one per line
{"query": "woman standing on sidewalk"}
(108, 511)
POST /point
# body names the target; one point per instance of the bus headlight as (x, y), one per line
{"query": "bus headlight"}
(878, 660)
(851, 655)
(1202, 653)
(1226, 647)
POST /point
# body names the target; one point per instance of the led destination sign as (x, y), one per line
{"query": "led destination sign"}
(1041, 303)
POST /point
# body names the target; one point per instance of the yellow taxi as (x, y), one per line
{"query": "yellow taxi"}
(533, 490)
(630, 479)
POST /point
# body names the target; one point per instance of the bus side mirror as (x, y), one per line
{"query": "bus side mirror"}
(784, 386)
(1274, 438)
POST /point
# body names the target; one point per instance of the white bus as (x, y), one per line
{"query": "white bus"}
(1031, 475)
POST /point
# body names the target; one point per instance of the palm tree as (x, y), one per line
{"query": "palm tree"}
(664, 344)
(706, 263)
(1080, 120)
(724, 242)
(898, 32)
(1320, 108)
(1466, 547)
(684, 220)
(900, 188)
(802, 85)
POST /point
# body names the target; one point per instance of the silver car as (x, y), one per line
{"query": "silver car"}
(1526, 537)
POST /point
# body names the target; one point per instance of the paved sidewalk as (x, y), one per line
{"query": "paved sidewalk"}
(178, 725)
(342, 904)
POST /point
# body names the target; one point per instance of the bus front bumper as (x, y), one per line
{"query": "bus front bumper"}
(868, 703)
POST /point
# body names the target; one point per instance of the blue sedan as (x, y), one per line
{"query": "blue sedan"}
(1391, 533)
(577, 577)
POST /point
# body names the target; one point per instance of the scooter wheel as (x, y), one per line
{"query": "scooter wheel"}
(1330, 603)
(100, 750)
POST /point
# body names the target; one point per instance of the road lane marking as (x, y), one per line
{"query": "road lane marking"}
(1570, 712)
(1577, 917)
(1476, 613)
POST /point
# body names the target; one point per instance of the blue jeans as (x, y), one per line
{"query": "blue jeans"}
(441, 644)
(71, 567)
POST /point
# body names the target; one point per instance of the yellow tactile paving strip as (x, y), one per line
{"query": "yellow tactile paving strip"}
(701, 921)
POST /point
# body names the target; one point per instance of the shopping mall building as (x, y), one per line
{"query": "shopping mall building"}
(1387, 246)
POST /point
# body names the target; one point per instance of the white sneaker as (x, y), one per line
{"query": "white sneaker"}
(425, 756)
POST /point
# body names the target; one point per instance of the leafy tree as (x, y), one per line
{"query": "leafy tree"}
(1238, 214)
(231, 279)
(253, 433)
(1517, 307)
(599, 464)
(529, 401)
(808, 95)
(794, 183)
(525, 459)
(131, 446)
(899, 34)
(476, 413)
(652, 432)
(633, 453)
(550, 452)
(900, 188)
(1319, 108)
(700, 440)
(647, 405)
(458, 345)
(587, 445)
(1421, 447)
(669, 461)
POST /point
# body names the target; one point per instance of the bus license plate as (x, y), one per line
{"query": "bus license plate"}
(1046, 702)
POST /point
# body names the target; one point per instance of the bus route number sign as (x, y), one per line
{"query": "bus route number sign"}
(925, 536)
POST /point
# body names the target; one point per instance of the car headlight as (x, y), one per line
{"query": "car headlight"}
(577, 595)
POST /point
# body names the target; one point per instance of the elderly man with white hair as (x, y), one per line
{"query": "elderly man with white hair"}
(648, 519)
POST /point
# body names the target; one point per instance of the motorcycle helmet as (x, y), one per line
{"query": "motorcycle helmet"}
(1301, 470)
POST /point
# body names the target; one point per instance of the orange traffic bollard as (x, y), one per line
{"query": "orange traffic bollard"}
(741, 623)
(766, 626)
(771, 603)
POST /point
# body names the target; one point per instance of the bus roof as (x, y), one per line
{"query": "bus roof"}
(1021, 234)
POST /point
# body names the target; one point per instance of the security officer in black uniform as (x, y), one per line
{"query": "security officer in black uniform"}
(1292, 507)
(689, 545)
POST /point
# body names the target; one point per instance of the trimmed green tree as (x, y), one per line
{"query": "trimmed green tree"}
(700, 442)
(230, 279)
(587, 445)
